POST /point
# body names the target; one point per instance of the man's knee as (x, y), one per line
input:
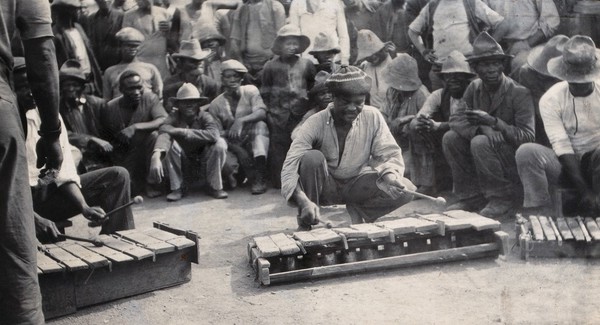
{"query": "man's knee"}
(527, 154)
(311, 160)
(220, 146)
(119, 174)
(261, 128)
(480, 144)
(450, 138)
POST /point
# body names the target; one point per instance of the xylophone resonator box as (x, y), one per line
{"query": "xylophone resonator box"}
(541, 236)
(423, 239)
(75, 274)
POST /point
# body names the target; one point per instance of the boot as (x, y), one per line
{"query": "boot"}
(259, 183)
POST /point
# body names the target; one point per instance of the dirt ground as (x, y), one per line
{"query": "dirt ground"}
(223, 290)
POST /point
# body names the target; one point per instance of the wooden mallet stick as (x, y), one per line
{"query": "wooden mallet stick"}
(438, 199)
(136, 200)
(96, 243)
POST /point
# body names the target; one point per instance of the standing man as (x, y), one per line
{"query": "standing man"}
(102, 27)
(571, 115)
(345, 154)
(129, 123)
(20, 299)
(480, 147)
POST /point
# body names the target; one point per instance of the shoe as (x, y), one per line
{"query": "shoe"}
(175, 195)
(497, 207)
(152, 192)
(259, 183)
(427, 190)
(471, 204)
(217, 194)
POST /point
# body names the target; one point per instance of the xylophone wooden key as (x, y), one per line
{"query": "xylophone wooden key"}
(326, 240)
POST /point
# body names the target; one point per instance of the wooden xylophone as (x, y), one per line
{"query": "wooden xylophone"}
(76, 274)
(423, 239)
(541, 236)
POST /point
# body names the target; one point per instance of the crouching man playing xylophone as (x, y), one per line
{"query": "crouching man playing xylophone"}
(70, 194)
(345, 154)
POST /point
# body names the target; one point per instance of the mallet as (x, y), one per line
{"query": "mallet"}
(96, 243)
(136, 200)
(438, 199)
(327, 224)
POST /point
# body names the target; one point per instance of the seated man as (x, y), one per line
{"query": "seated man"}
(81, 114)
(425, 134)
(480, 147)
(190, 69)
(71, 194)
(129, 123)
(362, 170)
(571, 116)
(241, 114)
(190, 139)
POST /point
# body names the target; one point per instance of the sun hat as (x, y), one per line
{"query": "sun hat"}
(578, 62)
(402, 73)
(206, 32)
(286, 32)
(188, 93)
(324, 43)
(456, 62)
(485, 47)
(540, 55)
(349, 80)
(191, 49)
(368, 44)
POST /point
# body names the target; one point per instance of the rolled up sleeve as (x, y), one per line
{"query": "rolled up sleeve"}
(32, 18)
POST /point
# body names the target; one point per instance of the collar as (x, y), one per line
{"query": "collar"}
(330, 120)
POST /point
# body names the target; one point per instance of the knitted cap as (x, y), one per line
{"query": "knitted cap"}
(349, 80)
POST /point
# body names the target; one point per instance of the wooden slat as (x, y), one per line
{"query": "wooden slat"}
(48, 265)
(422, 225)
(90, 257)
(70, 261)
(398, 226)
(326, 236)
(177, 240)
(478, 222)
(351, 233)
(266, 247)
(564, 229)
(286, 245)
(547, 228)
(128, 248)
(593, 228)
(536, 227)
(584, 230)
(111, 254)
(575, 230)
(451, 224)
(371, 230)
(156, 245)
(555, 229)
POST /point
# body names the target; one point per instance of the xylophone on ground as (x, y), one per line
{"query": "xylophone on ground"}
(75, 274)
(434, 238)
(540, 236)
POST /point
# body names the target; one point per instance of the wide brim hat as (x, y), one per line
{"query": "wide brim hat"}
(191, 49)
(288, 31)
(234, 65)
(324, 42)
(68, 3)
(579, 61)
(402, 73)
(320, 83)
(485, 47)
(456, 62)
(349, 80)
(206, 32)
(368, 44)
(188, 93)
(540, 55)
(71, 69)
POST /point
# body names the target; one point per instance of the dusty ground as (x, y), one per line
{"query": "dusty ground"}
(223, 289)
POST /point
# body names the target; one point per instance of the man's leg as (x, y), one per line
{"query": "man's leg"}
(260, 148)
(214, 159)
(539, 169)
(457, 151)
(498, 176)
(366, 202)
(591, 169)
(423, 164)
(174, 166)
(315, 181)
(20, 298)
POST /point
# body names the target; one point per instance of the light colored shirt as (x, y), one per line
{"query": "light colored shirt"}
(572, 123)
(328, 17)
(250, 101)
(79, 49)
(149, 73)
(451, 25)
(68, 171)
(526, 17)
(369, 147)
(378, 86)
(434, 101)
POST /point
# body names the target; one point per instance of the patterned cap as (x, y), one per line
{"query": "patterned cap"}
(349, 80)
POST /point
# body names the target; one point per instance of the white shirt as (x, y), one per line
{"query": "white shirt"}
(79, 49)
(525, 17)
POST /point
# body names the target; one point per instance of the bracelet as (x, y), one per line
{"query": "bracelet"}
(52, 134)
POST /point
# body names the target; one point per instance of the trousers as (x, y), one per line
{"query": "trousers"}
(364, 201)
(210, 162)
(20, 298)
(480, 169)
(107, 188)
